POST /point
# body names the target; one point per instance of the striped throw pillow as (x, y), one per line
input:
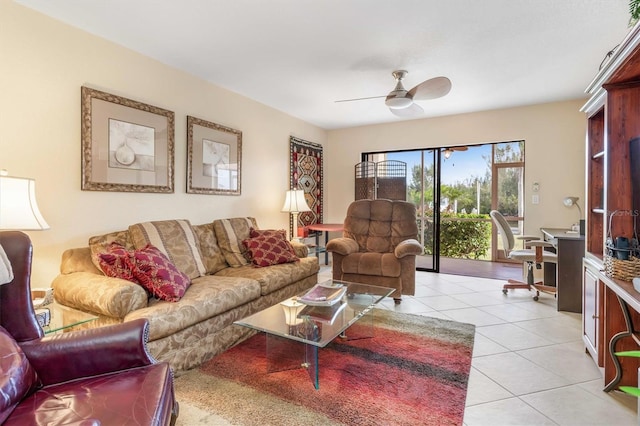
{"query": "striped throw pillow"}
(230, 234)
(175, 239)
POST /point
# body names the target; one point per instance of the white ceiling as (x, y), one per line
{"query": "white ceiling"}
(299, 56)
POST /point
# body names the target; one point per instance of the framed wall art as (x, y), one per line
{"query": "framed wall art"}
(214, 155)
(127, 146)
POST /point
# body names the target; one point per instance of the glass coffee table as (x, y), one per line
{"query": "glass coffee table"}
(54, 318)
(295, 331)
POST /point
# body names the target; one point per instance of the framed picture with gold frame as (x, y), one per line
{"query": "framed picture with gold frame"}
(127, 146)
(214, 158)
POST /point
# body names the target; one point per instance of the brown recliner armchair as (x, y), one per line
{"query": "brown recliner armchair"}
(100, 376)
(379, 246)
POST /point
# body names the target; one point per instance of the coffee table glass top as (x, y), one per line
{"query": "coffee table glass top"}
(55, 317)
(315, 325)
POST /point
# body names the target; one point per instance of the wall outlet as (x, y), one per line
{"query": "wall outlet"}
(535, 199)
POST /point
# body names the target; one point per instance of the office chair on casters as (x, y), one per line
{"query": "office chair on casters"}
(532, 254)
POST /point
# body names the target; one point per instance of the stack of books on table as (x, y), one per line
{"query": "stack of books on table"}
(323, 294)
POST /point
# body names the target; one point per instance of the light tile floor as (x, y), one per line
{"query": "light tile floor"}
(529, 364)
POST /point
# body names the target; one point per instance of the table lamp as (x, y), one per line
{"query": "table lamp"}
(295, 203)
(573, 201)
(18, 206)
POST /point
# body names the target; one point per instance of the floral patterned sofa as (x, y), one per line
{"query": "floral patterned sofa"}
(221, 283)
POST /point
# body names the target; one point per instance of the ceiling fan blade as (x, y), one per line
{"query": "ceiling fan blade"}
(360, 99)
(411, 111)
(459, 148)
(433, 88)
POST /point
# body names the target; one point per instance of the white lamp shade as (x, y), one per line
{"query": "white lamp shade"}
(18, 206)
(295, 202)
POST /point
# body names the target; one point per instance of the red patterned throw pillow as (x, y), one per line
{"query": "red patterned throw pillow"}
(253, 233)
(117, 262)
(267, 250)
(158, 275)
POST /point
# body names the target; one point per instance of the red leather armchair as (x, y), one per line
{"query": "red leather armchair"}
(101, 376)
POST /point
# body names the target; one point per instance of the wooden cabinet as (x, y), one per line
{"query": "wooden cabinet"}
(591, 311)
(611, 308)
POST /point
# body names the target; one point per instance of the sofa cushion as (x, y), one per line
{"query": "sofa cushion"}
(230, 234)
(205, 298)
(158, 275)
(174, 238)
(17, 377)
(99, 244)
(277, 276)
(269, 249)
(117, 262)
(212, 256)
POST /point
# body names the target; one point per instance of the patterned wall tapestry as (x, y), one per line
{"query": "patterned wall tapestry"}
(306, 173)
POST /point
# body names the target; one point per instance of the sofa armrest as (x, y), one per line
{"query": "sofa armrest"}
(409, 247)
(68, 356)
(113, 297)
(343, 246)
(300, 249)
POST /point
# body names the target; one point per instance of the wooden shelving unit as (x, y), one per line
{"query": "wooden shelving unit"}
(613, 119)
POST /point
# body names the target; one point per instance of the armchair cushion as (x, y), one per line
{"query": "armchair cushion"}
(17, 377)
(343, 246)
(140, 395)
(409, 247)
(377, 264)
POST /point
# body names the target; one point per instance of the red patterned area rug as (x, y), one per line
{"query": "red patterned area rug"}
(414, 371)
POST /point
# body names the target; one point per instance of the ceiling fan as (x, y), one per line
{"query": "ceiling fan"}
(449, 150)
(401, 101)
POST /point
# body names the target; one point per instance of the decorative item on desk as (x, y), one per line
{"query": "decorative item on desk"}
(294, 204)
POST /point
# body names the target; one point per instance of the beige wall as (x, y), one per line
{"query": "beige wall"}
(554, 136)
(43, 64)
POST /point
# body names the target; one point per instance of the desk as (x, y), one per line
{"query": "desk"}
(568, 272)
(326, 228)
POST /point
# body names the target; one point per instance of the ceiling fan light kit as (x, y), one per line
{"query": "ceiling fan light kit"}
(401, 102)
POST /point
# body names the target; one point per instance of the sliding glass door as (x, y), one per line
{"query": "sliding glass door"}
(454, 189)
(422, 189)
